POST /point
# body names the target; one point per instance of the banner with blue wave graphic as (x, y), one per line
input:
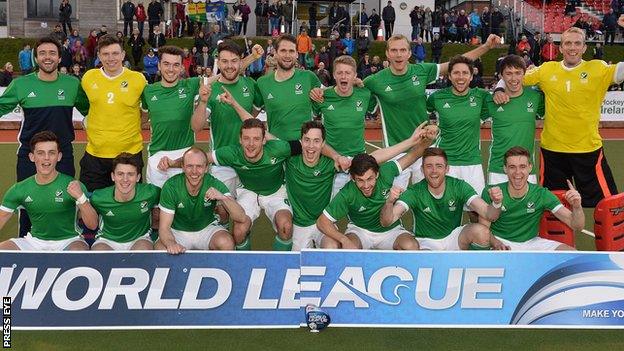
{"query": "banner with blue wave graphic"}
(466, 289)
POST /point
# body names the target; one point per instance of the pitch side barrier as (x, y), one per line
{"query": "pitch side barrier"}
(154, 290)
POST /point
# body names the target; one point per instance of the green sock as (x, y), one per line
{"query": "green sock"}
(245, 245)
(281, 245)
(477, 247)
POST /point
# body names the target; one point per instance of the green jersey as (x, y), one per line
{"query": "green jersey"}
(265, 176)
(364, 211)
(51, 209)
(190, 213)
(344, 117)
(170, 110)
(46, 106)
(224, 121)
(520, 218)
(513, 124)
(287, 103)
(459, 119)
(402, 99)
(309, 188)
(435, 217)
(123, 222)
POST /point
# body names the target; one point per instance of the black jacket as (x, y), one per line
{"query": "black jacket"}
(388, 14)
(436, 47)
(65, 11)
(262, 10)
(127, 10)
(374, 21)
(497, 19)
(154, 11)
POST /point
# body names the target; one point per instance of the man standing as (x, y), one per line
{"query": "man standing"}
(127, 11)
(112, 91)
(610, 25)
(187, 209)
(154, 14)
(24, 59)
(52, 199)
(497, 20)
(47, 99)
(65, 12)
(513, 124)
(524, 205)
(571, 146)
(437, 203)
(262, 17)
(374, 22)
(125, 209)
(388, 17)
(285, 93)
(550, 50)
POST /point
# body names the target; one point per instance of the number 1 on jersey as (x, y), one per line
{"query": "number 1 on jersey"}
(568, 85)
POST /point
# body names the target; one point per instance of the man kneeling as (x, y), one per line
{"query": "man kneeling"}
(187, 209)
(125, 208)
(524, 205)
(437, 202)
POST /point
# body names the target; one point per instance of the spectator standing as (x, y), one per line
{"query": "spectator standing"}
(312, 19)
(550, 50)
(415, 22)
(245, 10)
(141, 16)
(427, 25)
(375, 21)
(91, 46)
(204, 59)
(349, 44)
(322, 56)
(200, 40)
(127, 11)
(288, 16)
(362, 44)
(154, 14)
(6, 75)
(304, 46)
(497, 20)
(157, 39)
(180, 19)
(418, 50)
(436, 20)
(462, 26)
(25, 60)
(57, 33)
(523, 45)
(475, 23)
(136, 44)
(262, 15)
(364, 67)
(65, 12)
(598, 52)
(486, 22)
(275, 14)
(436, 48)
(388, 15)
(66, 55)
(609, 22)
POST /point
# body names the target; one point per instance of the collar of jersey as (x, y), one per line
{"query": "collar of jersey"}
(123, 70)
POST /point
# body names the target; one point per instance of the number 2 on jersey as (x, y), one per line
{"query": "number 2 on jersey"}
(111, 98)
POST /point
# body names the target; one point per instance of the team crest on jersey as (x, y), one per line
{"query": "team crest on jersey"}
(529, 107)
(415, 80)
(208, 203)
(298, 89)
(385, 193)
(60, 94)
(451, 205)
(317, 173)
(358, 105)
(584, 77)
(472, 101)
(503, 209)
(246, 91)
(58, 196)
(144, 207)
(124, 86)
(181, 93)
(273, 160)
(530, 207)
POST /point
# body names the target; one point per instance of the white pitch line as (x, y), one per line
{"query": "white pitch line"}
(373, 145)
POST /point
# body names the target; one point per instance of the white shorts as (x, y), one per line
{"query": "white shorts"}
(30, 243)
(228, 176)
(472, 175)
(450, 243)
(535, 244)
(116, 246)
(252, 203)
(371, 240)
(413, 173)
(340, 180)
(157, 177)
(199, 240)
(497, 178)
(306, 237)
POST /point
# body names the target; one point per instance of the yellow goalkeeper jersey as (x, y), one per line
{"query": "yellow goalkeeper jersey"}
(113, 123)
(573, 102)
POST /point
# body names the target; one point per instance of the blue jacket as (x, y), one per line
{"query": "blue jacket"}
(349, 44)
(150, 64)
(419, 52)
(475, 20)
(25, 59)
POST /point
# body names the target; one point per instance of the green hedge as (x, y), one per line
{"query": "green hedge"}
(11, 48)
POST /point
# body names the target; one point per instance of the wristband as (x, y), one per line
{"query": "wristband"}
(498, 89)
(495, 205)
(81, 200)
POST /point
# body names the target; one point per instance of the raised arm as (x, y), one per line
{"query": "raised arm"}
(200, 114)
(392, 211)
(474, 54)
(575, 219)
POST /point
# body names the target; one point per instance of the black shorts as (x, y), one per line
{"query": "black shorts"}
(591, 173)
(95, 172)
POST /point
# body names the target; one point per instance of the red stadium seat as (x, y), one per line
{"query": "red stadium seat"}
(609, 223)
(553, 229)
